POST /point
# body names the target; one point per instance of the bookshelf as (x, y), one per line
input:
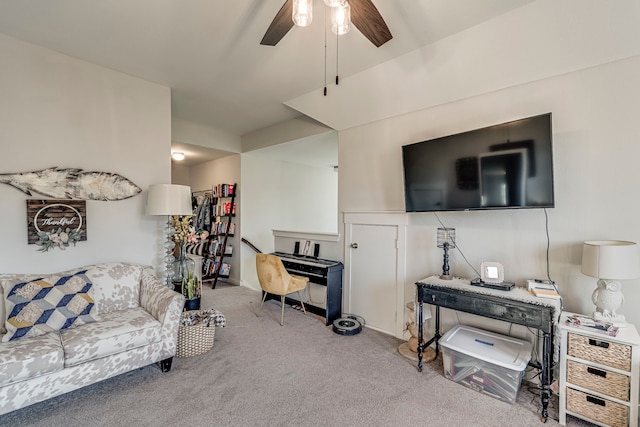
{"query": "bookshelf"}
(217, 260)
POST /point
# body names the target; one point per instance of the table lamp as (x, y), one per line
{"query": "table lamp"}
(169, 200)
(610, 261)
(446, 240)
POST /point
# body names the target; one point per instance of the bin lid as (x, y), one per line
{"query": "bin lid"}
(508, 352)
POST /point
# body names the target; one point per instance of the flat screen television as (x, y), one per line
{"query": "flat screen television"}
(505, 166)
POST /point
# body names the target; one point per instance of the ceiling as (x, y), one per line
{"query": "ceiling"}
(209, 52)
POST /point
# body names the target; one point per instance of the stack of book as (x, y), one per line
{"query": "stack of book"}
(543, 288)
(545, 293)
(587, 323)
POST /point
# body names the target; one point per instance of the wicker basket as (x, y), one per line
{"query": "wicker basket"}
(195, 339)
(597, 409)
(600, 351)
(606, 382)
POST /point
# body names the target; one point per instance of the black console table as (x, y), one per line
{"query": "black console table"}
(517, 306)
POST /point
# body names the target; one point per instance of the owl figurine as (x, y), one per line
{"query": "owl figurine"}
(607, 299)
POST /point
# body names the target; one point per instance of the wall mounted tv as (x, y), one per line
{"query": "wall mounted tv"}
(506, 166)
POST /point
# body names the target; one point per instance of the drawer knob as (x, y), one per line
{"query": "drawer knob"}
(598, 343)
(597, 372)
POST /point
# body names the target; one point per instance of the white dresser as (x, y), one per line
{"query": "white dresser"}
(599, 375)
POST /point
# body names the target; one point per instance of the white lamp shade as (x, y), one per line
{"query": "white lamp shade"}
(610, 259)
(169, 199)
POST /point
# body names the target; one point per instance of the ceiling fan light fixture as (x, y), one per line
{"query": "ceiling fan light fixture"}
(302, 12)
(341, 19)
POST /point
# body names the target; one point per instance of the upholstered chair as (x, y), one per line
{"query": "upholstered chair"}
(274, 279)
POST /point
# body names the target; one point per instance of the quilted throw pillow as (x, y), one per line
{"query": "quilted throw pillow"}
(47, 304)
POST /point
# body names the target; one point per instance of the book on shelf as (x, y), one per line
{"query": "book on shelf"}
(218, 228)
(209, 268)
(225, 209)
(225, 269)
(545, 293)
(228, 210)
(587, 323)
(228, 250)
(223, 190)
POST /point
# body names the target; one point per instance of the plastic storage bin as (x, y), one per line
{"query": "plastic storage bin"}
(484, 361)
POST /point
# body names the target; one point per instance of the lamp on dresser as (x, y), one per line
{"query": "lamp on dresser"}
(168, 200)
(446, 240)
(610, 261)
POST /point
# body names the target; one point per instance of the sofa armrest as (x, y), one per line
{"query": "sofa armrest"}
(159, 300)
(165, 305)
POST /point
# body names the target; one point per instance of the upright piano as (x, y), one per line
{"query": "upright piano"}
(322, 272)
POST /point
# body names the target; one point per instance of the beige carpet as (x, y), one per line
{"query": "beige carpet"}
(262, 374)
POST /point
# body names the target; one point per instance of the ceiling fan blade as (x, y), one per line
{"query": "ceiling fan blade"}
(367, 19)
(280, 25)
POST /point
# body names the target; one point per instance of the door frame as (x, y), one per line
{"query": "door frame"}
(400, 220)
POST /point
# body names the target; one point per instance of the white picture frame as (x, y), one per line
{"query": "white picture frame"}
(492, 272)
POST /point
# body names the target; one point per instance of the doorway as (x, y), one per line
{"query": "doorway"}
(374, 269)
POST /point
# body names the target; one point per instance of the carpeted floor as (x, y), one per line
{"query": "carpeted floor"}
(262, 374)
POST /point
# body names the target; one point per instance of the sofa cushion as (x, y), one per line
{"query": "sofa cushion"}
(114, 333)
(116, 285)
(30, 357)
(47, 304)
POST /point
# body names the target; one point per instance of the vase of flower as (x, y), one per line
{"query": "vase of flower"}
(182, 269)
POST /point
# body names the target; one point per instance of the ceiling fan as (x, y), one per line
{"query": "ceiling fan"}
(364, 15)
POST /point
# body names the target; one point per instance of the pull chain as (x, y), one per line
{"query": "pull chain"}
(337, 56)
(325, 54)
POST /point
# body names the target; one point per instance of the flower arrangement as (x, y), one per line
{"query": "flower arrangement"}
(185, 232)
(57, 238)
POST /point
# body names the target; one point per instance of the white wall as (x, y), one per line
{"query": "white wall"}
(59, 111)
(597, 146)
(308, 198)
(280, 195)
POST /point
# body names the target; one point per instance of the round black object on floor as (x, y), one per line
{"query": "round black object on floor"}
(347, 326)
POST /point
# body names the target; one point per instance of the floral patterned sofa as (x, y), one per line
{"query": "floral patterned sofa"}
(63, 331)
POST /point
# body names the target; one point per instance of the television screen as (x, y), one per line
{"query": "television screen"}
(506, 166)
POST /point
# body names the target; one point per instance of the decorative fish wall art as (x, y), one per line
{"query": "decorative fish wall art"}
(72, 183)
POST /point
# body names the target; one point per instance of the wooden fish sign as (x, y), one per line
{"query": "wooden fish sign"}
(72, 184)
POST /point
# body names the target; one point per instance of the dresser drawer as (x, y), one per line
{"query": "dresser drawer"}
(600, 351)
(605, 382)
(596, 408)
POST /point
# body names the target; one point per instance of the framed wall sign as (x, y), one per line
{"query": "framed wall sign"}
(49, 216)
